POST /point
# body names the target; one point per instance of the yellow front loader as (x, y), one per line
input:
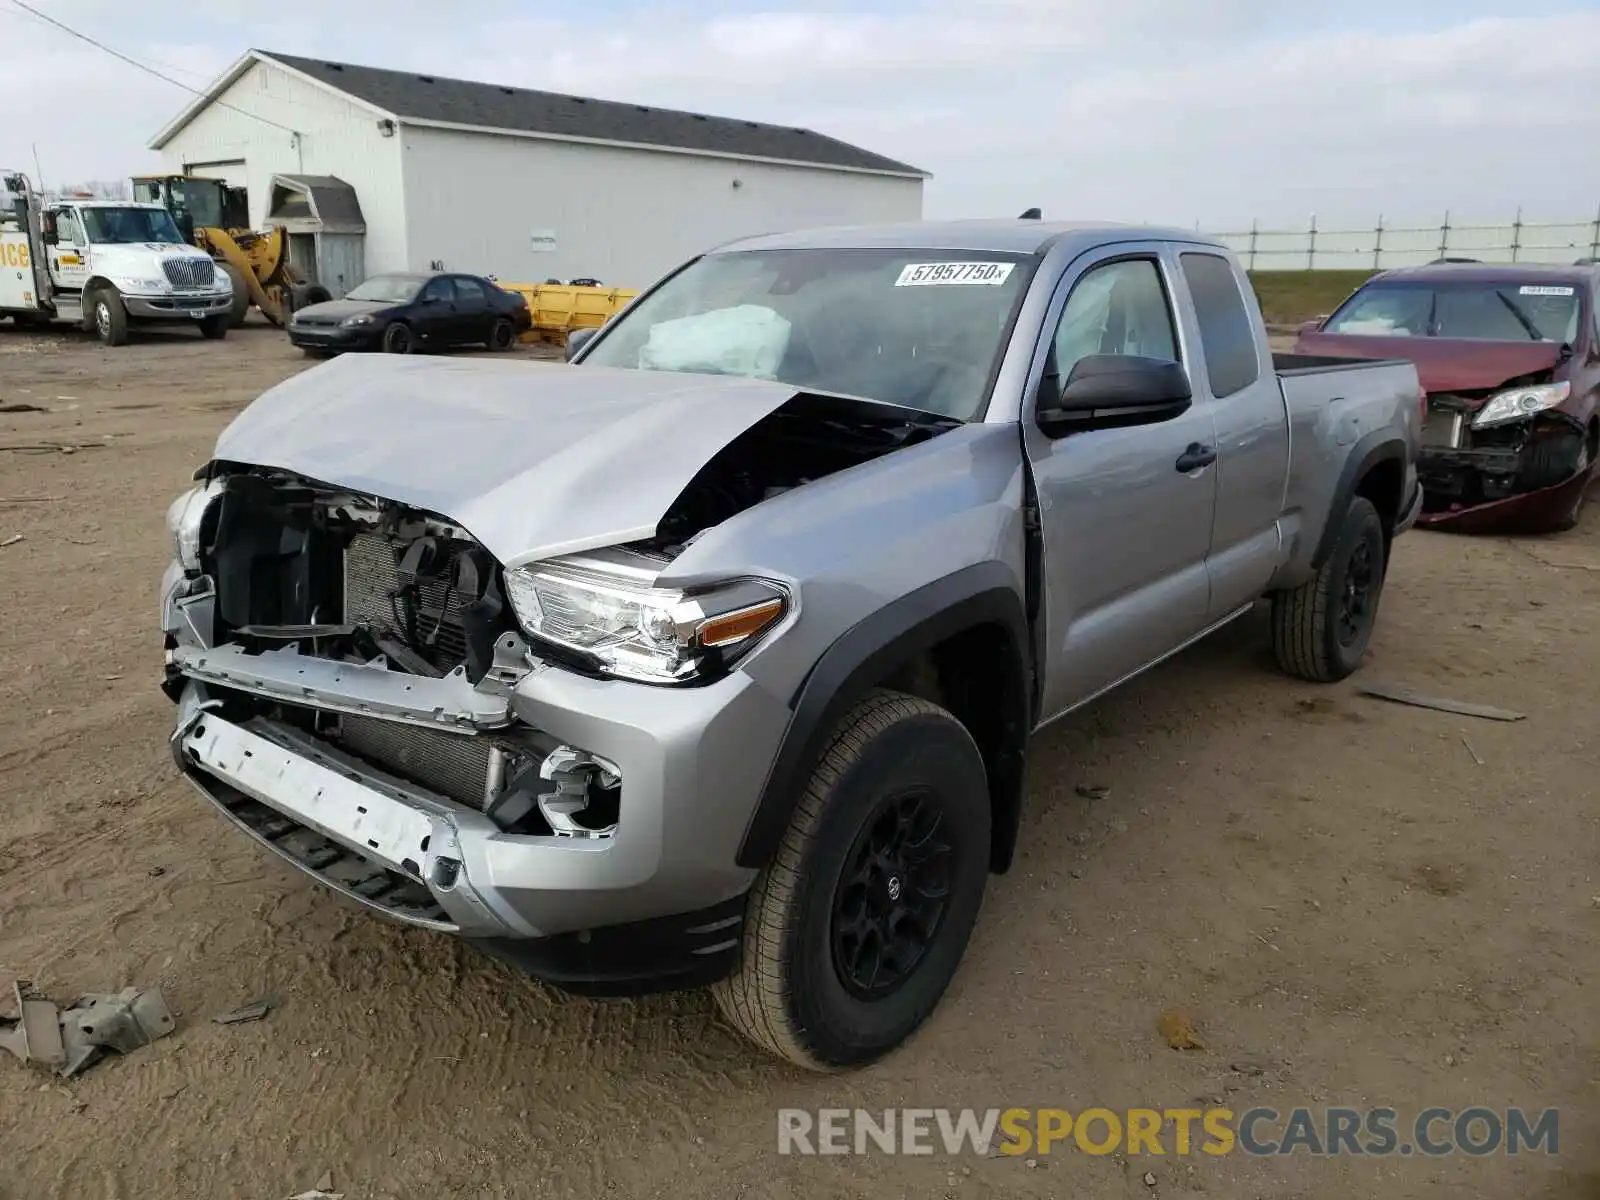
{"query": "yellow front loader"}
(216, 218)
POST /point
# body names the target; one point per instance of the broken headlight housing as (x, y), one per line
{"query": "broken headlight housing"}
(605, 609)
(185, 518)
(1518, 404)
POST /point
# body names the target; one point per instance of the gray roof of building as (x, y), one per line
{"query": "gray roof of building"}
(1001, 237)
(491, 106)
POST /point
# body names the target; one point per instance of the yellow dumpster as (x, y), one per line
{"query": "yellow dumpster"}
(559, 308)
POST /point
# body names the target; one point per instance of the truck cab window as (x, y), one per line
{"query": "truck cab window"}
(1118, 308)
(67, 231)
(1227, 333)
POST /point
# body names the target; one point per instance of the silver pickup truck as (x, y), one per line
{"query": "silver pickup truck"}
(712, 657)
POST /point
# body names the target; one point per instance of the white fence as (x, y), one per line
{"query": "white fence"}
(1382, 246)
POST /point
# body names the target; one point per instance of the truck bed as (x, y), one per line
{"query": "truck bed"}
(1314, 364)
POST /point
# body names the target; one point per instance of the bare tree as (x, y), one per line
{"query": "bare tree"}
(100, 189)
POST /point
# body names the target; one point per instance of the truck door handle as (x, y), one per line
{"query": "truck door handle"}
(1195, 457)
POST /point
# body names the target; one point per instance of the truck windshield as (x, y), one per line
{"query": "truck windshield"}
(121, 226)
(922, 329)
(1506, 312)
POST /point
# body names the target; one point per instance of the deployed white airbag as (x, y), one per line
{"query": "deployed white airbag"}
(748, 340)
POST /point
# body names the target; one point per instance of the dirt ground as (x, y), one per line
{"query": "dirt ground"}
(1354, 909)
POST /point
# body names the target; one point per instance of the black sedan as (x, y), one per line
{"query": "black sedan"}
(403, 314)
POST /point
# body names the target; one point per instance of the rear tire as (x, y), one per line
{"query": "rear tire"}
(109, 317)
(855, 929)
(502, 335)
(1321, 629)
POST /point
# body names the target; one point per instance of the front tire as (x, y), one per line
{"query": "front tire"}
(1321, 629)
(214, 327)
(109, 317)
(241, 294)
(398, 339)
(856, 928)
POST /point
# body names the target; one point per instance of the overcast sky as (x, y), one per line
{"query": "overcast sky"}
(1161, 110)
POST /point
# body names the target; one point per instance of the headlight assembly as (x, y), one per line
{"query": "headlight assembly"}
(605, 608)
(184, 521)
(358, 319)
(1518, 404)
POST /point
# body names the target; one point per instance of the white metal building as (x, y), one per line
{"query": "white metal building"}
(523, 185)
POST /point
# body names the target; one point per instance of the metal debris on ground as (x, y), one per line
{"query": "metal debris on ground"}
(36, 1036)
(322, 1189)
(1470, 750)
(22, 408)
(1400, 695)
(56, 447)
(12, 540)
(74, 1039)
(1092, 791)
(121, 1021)
(252, 1011)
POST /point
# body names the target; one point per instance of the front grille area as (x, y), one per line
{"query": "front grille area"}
(189, 272)
(454, 765)
(372, 593)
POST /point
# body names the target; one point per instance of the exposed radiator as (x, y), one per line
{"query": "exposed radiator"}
(371, 580)
(454, 765)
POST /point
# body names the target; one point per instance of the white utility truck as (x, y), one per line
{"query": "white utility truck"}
(103, 264)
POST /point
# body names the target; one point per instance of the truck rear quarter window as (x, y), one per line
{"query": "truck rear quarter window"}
(1227, 335)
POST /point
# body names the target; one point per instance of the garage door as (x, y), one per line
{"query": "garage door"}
(232, 173)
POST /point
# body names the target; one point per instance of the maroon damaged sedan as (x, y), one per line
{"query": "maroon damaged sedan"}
(1510, 359)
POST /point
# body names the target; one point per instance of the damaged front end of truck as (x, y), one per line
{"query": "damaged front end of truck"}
(392, 655)
(1506, 459)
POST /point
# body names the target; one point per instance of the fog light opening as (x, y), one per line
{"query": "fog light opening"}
(446, 871)
(586, 799)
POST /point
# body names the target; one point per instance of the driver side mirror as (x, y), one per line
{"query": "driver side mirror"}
(47, 229)
(578, 339)
(1112, 391)
(1314, 325)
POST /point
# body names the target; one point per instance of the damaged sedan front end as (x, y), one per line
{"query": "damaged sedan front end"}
(1506, 459)
(1509, 357)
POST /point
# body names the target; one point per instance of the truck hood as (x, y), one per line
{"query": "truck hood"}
(118, 256)
(1444, 364)
(534, 460)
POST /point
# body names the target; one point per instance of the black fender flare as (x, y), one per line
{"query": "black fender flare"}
(869, 652)
(1379, 446)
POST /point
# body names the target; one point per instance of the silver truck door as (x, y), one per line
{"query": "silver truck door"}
(1126, 513)
(1235, 371)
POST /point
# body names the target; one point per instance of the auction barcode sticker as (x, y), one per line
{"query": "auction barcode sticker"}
(1533, 289)
(928, 274)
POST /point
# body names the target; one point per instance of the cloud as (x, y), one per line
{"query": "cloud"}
(1141, 109)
